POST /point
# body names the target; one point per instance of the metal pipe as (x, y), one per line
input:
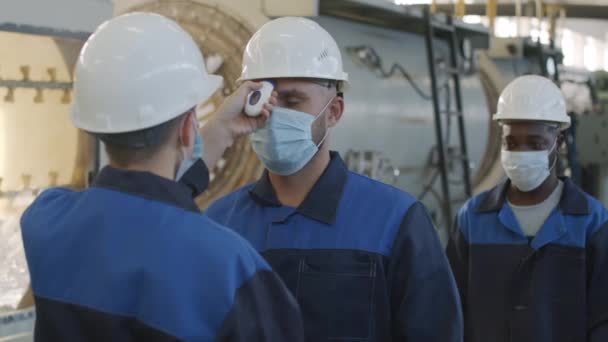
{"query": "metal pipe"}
(539, 13)
(556, 13)
(460, 9)
(518, 17)
(553, 16)
(429, 34)
(508, 10)
(491, 9)
(561, 21)
(466, 167)
(539, 18)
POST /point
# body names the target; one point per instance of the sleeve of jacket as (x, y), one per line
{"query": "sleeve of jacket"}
(458, 255)
(424, 299)
(598, 285)
(264, 311)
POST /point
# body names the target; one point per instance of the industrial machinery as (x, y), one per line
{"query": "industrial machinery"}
(414, 102)
(521, 55)
(589, 95)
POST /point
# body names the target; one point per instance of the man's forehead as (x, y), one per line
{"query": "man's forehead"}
(299, 85)
(526, 128)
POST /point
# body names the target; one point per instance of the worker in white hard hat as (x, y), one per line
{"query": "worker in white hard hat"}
(131, 258)
(362, 258)
(531, 255)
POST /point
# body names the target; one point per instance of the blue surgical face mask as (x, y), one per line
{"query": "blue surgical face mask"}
(285, 144)
(197, 153)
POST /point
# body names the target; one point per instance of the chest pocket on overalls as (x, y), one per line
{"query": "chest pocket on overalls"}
(562, 274)
(336, 294)
(560, 293)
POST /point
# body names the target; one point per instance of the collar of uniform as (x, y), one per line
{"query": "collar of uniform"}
(148, 185)
(322, 202)
(573, 201)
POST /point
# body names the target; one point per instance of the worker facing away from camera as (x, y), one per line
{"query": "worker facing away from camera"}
(131, 258)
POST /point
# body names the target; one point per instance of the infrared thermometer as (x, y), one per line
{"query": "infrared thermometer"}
(258, 98)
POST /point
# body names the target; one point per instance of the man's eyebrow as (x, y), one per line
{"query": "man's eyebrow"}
(527, 136)
(293, 93)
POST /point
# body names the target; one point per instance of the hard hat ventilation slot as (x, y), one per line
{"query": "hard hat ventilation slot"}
(324, 54)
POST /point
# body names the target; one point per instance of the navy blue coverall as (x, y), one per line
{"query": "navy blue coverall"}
(553, 288)
(361, 257)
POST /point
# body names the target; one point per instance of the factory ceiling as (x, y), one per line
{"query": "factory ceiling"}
(593, 9)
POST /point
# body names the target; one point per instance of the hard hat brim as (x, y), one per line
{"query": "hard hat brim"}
(563, 124)
(213, 83)
(342, 78)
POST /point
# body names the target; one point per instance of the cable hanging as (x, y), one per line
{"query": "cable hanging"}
(370, 58)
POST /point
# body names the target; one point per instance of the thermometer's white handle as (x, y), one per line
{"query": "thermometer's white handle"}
(258, 98)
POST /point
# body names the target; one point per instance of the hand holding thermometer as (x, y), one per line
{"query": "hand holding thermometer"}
(258, 98)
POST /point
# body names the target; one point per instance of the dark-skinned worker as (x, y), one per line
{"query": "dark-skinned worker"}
(361, 257)
(531, 255)
(131, 258)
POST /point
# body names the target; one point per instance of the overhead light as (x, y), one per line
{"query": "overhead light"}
(567, 45)
(472, 19)
(551, 66)
(590, 54)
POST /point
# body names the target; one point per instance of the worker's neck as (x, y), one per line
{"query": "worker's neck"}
(292, 190)
(157, 167)
(535, 196)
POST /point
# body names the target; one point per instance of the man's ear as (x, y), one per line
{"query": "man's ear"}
(561, 138)
(336, 109)
(186, 130)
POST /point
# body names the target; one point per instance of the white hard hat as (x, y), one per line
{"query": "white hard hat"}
(532, 98)
(292, 47)
(137, 71)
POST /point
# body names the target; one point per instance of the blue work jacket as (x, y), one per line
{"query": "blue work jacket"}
(132, 259)
(361, 257)
(552, 288)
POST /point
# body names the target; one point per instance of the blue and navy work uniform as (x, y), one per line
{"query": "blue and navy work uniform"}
(361, 257)
(132, 259)
(553, 288)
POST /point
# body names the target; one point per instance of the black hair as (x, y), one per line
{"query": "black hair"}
(138, 146)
